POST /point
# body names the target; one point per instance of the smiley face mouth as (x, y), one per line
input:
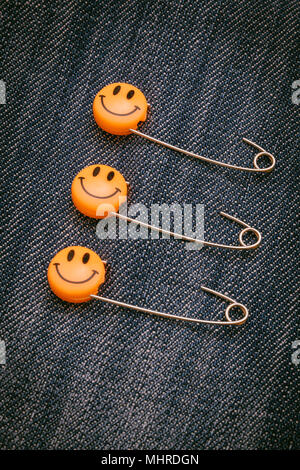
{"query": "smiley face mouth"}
(116, 114)
(93, 195)
(74, 282)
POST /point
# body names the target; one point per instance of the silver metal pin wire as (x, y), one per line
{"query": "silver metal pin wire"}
(242, 245)
(227, 322)
(256, 168)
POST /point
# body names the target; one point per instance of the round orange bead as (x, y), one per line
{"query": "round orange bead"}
(98, 190)
(75, 273)
(119, 107)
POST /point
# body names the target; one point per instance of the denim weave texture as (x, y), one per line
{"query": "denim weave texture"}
(95, 376)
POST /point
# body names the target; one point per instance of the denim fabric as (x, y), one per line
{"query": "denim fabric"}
(94, 376)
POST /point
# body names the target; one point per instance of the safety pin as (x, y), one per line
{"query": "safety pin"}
(75, 274)
(242, 245)
(256, 168)
(120, 107)
(229, 321)
(89, 194)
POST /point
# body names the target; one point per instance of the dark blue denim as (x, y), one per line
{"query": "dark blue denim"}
(94, 376)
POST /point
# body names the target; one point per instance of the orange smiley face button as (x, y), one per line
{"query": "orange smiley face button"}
(98, 190)
(119, 107)
(75, 273)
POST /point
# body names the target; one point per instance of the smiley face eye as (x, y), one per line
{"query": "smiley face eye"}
(116, 90)
(130, 94)
(70, 255)
(96, 171)
(110, 175)
(85, 258)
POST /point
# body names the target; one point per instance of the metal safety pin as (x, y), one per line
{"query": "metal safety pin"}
(228, 321)
(242, 245)
(256, 168)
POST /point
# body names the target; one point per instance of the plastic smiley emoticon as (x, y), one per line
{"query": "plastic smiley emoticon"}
(118, 107)
(97, 190)
(75, 273)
